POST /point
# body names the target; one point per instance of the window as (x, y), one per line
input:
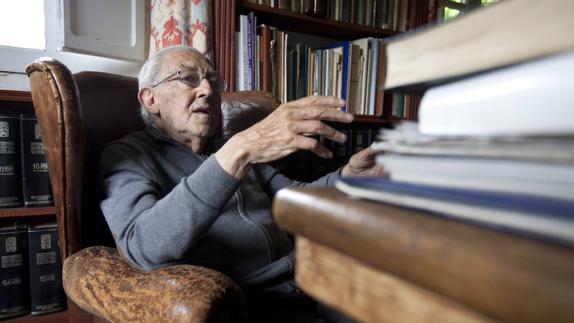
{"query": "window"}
(27, 18)
(102, 35)
(454, 8)
(112, 28)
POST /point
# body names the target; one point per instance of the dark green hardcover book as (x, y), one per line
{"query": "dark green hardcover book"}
(284, 4)
(13, 270)
(35, 177)
(361, 12)
(10, 173)
(296, 6)
(46, 291)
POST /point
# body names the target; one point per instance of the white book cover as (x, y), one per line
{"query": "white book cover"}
(534, 98)
(551, 180)
(537, 216)
(243, 55)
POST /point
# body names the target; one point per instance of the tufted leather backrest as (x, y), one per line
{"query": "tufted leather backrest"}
(78, 115)
(109, 109)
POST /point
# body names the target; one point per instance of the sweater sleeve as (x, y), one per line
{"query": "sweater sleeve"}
(153, 230)
(272, 180)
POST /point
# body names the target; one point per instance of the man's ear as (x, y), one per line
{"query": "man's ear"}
(147, 99)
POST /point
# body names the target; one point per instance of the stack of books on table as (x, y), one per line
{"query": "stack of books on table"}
(496, 149)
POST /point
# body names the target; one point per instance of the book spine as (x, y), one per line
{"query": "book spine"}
(354, 79)
(318, 72)
(35, 177)
(46, 291)
(374, 45)
(274, 57)
(284, 4)
(353, 11)
(250, 51)
(10, 173)
(345, 72)
(284, 67)
(290, 77)
(381, 70)
(316, 8)
(361, 12)
(368, 12)
(266, 58)
(307, 7)
(296, 6)
(13, 271)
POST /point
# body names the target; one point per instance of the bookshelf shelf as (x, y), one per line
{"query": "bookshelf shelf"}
(11, 95)
(27, 212)
(287, 20)
(363, 118)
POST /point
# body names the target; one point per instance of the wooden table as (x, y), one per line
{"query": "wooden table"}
(381, 263)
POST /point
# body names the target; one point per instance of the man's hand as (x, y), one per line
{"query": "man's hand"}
(287, 128)
(284, 131)
(363, 164)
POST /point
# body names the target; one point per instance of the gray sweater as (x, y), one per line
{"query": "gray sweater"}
(167, 205)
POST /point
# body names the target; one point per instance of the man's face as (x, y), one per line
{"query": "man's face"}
(188, 99)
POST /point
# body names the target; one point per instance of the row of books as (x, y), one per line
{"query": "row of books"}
(401, 106)
(31, 270)
(351, 70)
(385, 14)
(24, 178)
(269, 62)
(496, 149)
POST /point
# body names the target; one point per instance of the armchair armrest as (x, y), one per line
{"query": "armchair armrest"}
(99, 281)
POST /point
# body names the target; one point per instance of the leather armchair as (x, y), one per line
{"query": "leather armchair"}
(78, 114)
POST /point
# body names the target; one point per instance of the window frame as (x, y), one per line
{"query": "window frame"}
(466, 7)
(13, 60)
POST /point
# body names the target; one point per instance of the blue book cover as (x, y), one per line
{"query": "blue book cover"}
(345, 83)
(542, 216)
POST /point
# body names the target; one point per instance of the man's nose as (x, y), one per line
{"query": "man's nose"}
(204, 89)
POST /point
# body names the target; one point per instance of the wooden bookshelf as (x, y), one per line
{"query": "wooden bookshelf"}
(13, 95)
(288, 20)
(27, 212)
(365, 118)
(318, 27)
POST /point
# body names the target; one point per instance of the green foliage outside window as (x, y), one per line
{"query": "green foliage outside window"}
(450, 13)
(485, 3)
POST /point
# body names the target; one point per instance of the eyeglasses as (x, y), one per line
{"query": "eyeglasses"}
(193, 79)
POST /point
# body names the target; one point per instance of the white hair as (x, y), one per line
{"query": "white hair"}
(150, 72)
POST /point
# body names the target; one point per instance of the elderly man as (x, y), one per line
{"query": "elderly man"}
(174, 194)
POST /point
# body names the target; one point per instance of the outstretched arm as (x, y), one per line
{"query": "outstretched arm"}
(284, 131)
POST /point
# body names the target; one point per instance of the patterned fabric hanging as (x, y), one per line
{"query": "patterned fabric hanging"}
(182, 22)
